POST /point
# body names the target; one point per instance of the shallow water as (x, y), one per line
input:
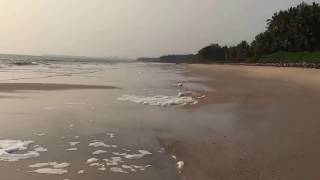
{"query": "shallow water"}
(244, 126)
(77, 125)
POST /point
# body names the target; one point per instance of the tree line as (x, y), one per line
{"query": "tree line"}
(294, 30)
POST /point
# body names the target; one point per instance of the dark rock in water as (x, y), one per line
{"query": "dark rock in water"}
(23, 63)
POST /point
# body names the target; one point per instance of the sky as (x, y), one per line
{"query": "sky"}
(130, 28)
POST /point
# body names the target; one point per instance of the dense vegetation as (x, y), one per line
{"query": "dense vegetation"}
(292, 35)
(177, 58)
(291, 57)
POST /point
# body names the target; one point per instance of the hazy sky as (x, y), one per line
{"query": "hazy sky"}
(129, 28)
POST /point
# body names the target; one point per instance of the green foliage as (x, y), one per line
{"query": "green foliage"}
(213, 52)
(294, 30)
(291, 57)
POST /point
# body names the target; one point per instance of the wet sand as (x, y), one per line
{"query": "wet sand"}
(273, 134)
(11, 87)
(83, 107)
(254, 123)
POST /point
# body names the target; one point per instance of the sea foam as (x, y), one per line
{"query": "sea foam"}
(9, 149)
(50, 171)
(160, 100)
(141, 154)
(56, 168)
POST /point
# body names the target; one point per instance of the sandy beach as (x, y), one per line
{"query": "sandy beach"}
(272, 132)
(136, 121)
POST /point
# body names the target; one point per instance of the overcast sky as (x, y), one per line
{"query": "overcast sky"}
(130, 28)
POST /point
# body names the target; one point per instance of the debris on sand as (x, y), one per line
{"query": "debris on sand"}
(180, 165)
(23, 63)
(179, 84)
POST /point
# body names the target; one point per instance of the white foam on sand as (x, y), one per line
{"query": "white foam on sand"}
(141, 168)
(40, 149)
(9, 150)
(50, 171)
(100, 166)
(113, 161)
(54, 165)
(81, 172)
(72, 149)
(111, 135)
(99, 152)
(129, 168)
(118, 170)
(141, 154)
(56, 168)
(134, 168)
(160, 100)
(74, 143)
(118, 165)
(91, 160)
(39, 134)
(101, 144)
(94, 164)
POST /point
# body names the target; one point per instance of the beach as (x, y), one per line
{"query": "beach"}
(272, 133)
(136, 121)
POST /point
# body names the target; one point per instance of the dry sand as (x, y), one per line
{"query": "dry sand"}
(302, 76)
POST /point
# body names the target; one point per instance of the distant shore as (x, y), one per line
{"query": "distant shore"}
(297, 65)
(278, 59)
